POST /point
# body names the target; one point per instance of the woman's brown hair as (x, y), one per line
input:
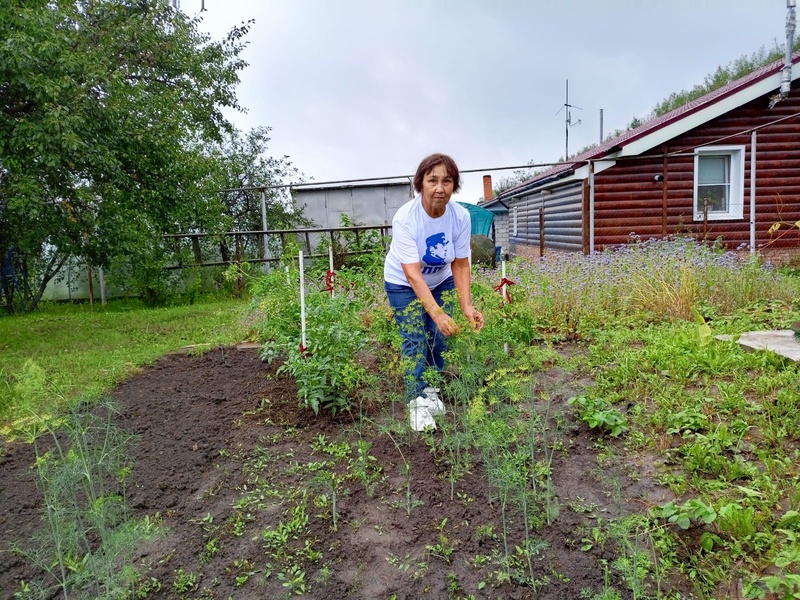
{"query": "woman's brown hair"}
(434, 160)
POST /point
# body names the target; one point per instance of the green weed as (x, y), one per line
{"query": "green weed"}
(598, 413)
(184, 582)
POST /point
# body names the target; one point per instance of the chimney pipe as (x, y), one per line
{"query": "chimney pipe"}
(786, 74)
(487, 188)
(786, 80)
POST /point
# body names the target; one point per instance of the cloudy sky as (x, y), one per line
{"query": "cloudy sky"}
(367, 88)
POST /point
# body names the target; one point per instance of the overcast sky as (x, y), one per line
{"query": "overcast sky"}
(367, 88)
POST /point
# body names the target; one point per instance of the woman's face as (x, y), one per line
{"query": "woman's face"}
(437, 187)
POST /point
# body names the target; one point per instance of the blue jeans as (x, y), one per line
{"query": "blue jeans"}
(423, 343)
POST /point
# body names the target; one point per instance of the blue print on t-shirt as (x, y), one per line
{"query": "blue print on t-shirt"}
(436, 254)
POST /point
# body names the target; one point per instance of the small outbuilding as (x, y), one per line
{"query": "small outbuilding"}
(368, 203)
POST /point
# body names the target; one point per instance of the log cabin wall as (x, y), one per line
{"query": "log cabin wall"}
(628, 199)
(562, 220)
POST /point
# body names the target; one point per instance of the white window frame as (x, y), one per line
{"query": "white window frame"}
(735, 156)
(514, 220)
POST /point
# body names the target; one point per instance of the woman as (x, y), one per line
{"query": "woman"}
(429, 256)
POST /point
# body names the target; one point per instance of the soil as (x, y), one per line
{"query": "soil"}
(224, 453)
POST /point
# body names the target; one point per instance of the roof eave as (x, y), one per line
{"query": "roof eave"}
(540, 183)
(689, 120)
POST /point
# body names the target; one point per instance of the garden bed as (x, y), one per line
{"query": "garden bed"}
(225, 456)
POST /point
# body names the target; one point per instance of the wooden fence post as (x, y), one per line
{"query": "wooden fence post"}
(198, 255)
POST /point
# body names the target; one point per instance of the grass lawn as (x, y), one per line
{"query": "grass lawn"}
(82, 350)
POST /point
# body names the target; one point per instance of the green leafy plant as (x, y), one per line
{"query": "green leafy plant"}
(242, 570)
(276, 540)
(326, 370)
(693, 510)
(598, 413)
(785, 586)
(336, 449)
(365, 468)
(443, 548)
(407, 564)
(331, 482)
(184, 582)
(209, 550)
(294, 579)
(736, 520)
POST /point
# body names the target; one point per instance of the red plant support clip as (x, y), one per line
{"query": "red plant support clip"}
(304, 351)
(499, 288)
(329, 276)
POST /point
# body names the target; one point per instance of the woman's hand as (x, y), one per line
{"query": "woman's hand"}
(447, 326)
(474, 317)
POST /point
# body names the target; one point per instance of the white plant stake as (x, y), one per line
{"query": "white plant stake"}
(330, 260)
(302, 302)
(503, 292)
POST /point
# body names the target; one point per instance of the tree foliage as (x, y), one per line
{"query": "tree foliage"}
(516, 178)
(734, 70)
(242, 161)
(242, 170)
(723, 75)
(104, 107)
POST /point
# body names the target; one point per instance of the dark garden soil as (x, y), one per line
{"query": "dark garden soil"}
(224, 453)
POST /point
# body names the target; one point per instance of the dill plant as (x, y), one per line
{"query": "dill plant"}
(89, 536)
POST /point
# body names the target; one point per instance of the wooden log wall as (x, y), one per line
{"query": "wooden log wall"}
(629, 200)
(563, 219)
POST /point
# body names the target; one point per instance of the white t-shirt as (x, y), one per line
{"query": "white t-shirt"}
(433, 243)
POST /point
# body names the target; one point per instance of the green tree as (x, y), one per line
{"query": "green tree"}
(242, 164)
(516, 178)
(104, 106)
(740, 67)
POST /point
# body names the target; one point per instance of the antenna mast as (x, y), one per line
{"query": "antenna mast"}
(568, 121)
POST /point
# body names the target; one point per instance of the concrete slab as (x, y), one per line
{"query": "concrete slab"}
(780, 341)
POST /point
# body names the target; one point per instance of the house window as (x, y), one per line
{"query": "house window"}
(719, 182)
(514, 220)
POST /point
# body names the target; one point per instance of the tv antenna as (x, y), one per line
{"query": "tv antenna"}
(568, 121)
